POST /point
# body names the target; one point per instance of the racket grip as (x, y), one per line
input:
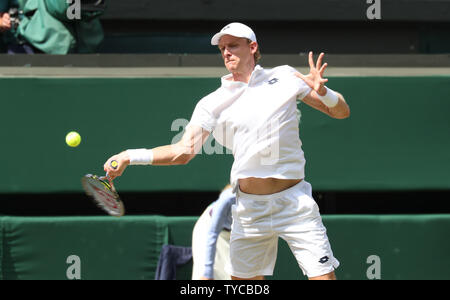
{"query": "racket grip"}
(114, 164)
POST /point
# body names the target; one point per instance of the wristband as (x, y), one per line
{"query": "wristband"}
(140, 156)
(330, 99)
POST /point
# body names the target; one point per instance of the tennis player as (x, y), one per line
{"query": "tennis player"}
(254, 113)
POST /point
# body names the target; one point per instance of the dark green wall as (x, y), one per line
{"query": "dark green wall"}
(408, 246)
(397, 137)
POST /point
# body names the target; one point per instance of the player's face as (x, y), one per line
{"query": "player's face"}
(237, 53)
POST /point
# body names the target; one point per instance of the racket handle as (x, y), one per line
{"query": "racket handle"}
(114, 164)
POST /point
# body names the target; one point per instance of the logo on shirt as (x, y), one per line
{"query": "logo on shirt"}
(273, 80)
(323, 259)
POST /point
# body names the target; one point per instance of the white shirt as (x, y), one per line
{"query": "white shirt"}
(258, 122)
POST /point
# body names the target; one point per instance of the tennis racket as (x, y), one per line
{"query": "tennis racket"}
(103, 192)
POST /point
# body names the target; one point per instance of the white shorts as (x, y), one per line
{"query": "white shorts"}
(293, 215)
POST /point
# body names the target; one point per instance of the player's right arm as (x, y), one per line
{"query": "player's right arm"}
(182, 152)
(175, 154)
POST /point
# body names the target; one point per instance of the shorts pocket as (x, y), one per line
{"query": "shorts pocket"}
(251, 213)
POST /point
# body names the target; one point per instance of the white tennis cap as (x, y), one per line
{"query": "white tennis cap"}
(235, 29)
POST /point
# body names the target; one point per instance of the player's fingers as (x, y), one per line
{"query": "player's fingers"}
(319, 61)
(310, 59)
(113, 167)
(322, 69)
(107, 166)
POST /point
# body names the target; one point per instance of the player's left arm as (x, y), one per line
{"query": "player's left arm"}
(322, 98)
(340, 111)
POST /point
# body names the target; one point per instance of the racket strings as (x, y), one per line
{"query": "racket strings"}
(103, 194)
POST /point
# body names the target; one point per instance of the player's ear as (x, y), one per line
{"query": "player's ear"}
(254, 47)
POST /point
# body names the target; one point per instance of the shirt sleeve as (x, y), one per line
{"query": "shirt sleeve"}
(220, 215)
(203, 115)
(303, 88)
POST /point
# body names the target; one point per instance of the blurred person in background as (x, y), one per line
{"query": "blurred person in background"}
(51, 26)
(9, 22)
(211, 239)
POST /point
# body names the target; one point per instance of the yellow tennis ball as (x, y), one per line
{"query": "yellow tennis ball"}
(73, 139)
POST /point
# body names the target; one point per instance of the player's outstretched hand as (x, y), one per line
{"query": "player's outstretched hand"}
(315, 78)
(116, 170)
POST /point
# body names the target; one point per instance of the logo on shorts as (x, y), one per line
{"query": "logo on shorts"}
(323, 259)
(273, 80)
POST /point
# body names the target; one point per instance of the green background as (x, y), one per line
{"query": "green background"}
(397, 137)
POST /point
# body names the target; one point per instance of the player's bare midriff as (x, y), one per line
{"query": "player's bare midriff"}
(265, 186)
